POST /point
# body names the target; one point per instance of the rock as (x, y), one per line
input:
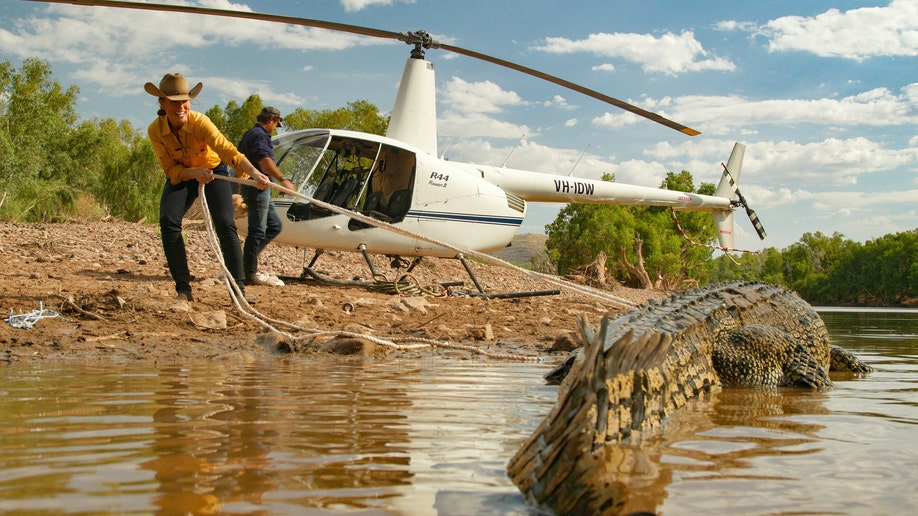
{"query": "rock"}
(349, 346)
(181, 306)
(417, 304)
(314, 302)
(275, 342)
(213, 320)
(476, 332)
(567, 341)
(239, 357)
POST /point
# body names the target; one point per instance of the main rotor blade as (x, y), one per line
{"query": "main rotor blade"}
(366, 31)
(576, 87)
(248, 15)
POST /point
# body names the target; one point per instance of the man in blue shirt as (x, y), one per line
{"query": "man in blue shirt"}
(264, 223)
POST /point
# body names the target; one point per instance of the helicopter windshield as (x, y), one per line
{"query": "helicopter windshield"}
(298, 155)
(341, 168)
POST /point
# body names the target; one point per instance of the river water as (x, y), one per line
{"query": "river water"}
(433, 436)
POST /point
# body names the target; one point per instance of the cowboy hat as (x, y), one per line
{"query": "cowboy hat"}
(173, 87)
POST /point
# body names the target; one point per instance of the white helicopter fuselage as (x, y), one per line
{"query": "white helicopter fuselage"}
(448, 203)
(462, 205)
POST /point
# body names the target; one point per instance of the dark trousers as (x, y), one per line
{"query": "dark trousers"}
(173, 205)
(264, 226)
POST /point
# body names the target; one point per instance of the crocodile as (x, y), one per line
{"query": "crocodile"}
(642, 365)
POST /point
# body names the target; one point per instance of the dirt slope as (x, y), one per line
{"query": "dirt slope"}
(110, 286)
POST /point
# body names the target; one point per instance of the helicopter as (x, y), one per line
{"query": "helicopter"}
(353, 186)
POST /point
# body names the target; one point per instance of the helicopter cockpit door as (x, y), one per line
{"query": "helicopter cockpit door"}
(338, 177)
(390, 187)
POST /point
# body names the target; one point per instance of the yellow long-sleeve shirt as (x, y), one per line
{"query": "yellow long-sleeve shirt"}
(199, 144)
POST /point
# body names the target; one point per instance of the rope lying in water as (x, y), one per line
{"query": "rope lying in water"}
(271, 324)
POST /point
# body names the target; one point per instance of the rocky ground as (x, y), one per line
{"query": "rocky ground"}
(112, 299)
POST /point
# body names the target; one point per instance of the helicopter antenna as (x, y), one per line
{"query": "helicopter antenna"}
(448, 147)
(571, 173)
(513, 149)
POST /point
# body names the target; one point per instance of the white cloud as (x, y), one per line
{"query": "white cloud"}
(111, 78)
(235, 89)
(830, 163)
(670, 53)
(854, 34)
(716, 115)
(477, 97)
(559, 102)
(477, 125)
(79, 34)
(115, 46)
(616, 120)
(359, 5)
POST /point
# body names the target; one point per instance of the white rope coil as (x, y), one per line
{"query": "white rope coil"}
(29, 319)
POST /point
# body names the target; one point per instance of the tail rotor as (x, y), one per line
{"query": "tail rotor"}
(741, 201)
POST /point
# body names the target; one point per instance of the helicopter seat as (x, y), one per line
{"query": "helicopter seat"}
(344, 193)
(372, 202)
(399, 204)
(323, 193)
(396, 209)
(370, 205)
(298, 211)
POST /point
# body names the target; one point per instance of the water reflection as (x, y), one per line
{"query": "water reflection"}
(433, 437)
(723, 440)
(278, 437)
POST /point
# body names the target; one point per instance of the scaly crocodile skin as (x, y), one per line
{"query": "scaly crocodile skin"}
(652, 360)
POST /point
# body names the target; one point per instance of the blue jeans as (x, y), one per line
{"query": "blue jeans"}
(264, 226)
(175, 202)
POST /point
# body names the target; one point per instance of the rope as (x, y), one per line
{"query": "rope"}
(710, 246)
(413, 343)
(30, 319)
(404, 285)
(583, 289)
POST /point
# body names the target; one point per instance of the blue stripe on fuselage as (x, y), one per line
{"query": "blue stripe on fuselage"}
(440, 216)
(465, 217)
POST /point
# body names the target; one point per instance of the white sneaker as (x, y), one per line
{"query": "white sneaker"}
(270, 280)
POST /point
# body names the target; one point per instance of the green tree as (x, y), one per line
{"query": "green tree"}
(881, 272)
(767, 266)
(359, 115)
(130, 178)
(647, 249)
(810, 262)
(217, 115)
(236, 119)
(37, 116)
(833, 270)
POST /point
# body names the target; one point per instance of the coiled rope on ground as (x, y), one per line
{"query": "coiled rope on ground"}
(404, 285)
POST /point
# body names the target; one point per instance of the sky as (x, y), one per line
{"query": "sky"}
(824, 94)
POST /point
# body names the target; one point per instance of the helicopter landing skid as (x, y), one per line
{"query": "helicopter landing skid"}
(505, 295)
(465, 293)
(308, 272)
